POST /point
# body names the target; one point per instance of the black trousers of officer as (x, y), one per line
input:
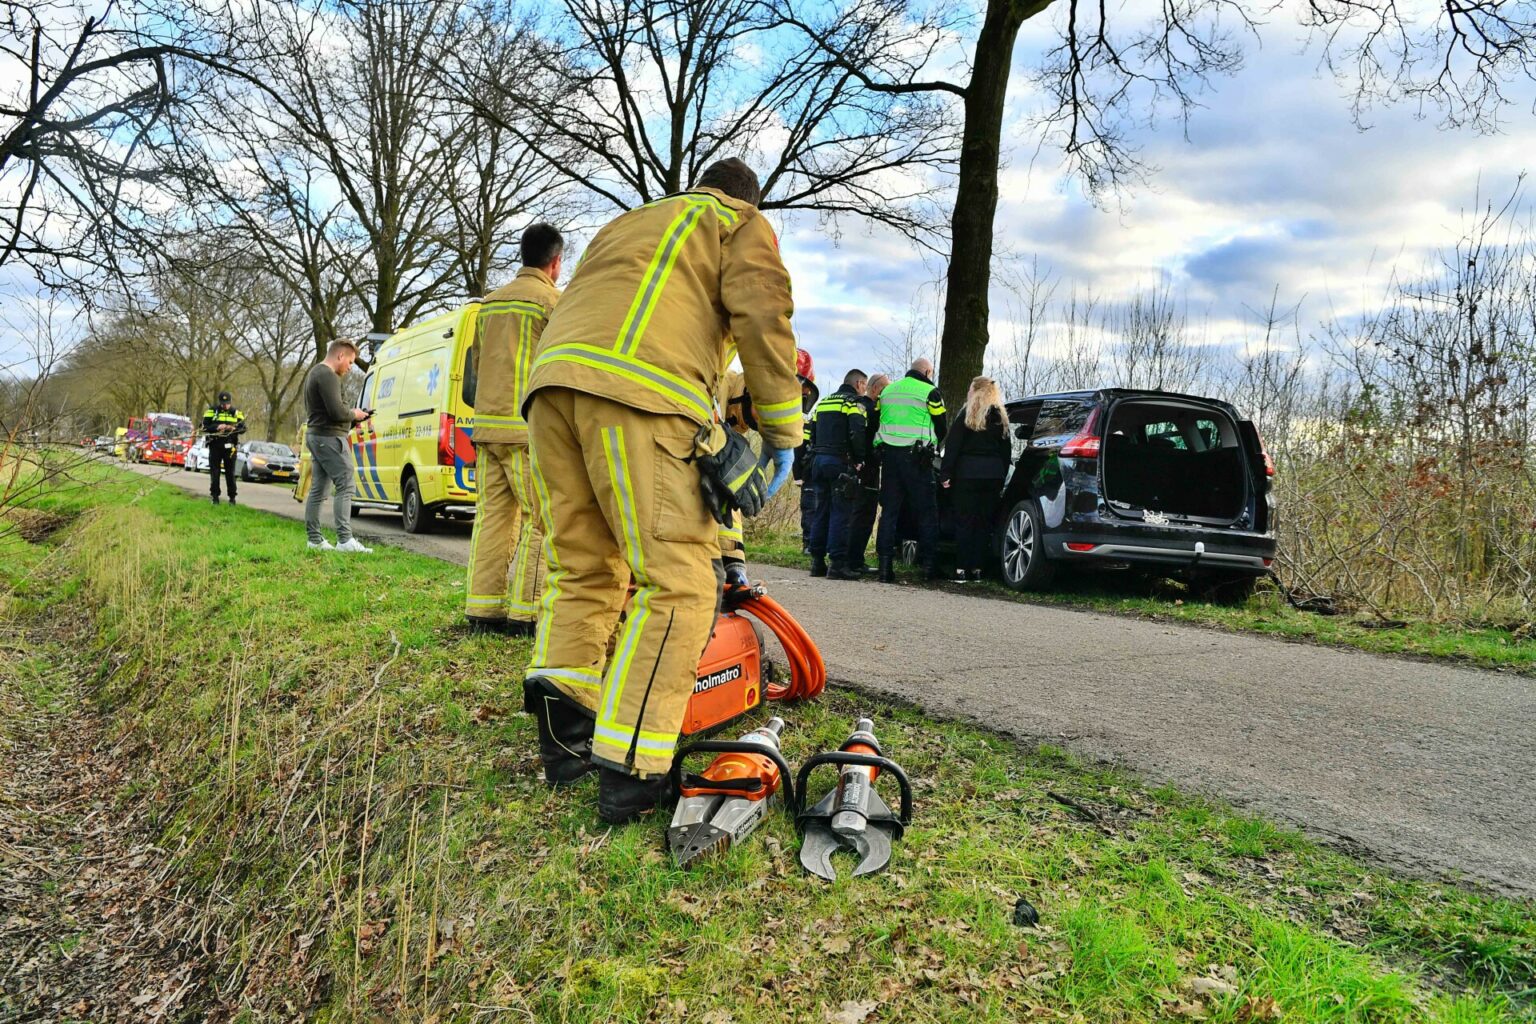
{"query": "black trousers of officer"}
(908, 487)
(866, 504)
(221, 459)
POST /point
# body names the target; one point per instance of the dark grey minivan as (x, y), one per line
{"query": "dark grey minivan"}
(1171, 483)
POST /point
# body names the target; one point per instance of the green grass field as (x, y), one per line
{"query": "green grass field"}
(345, 780)
(1505, 645)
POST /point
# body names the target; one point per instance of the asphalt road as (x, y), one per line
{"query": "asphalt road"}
(1426, 767)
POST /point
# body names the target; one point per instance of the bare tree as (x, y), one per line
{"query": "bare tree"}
(634, 99)
(86, 153)
(274, 345)
(1113, 68)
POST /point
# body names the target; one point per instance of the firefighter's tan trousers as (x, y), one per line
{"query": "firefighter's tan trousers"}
(508, 536)
(620, 502)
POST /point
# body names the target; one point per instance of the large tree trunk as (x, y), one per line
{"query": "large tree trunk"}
(963, 346)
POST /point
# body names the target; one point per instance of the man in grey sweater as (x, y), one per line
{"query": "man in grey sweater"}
(325, 436)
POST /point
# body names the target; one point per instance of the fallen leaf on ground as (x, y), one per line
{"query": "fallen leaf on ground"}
(852, 1012)
(1210, 987)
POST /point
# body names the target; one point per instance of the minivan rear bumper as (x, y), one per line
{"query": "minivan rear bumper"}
(1242, 552)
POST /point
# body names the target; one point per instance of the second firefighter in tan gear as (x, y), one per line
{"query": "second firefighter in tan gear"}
(506, 559)
(626, 376)
(736, 410)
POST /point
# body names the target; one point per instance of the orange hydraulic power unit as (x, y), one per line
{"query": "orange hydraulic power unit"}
(735, 675)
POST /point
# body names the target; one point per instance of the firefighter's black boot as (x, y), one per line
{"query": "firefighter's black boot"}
(887, 569)
(931, 571)
(841, 571)
(565, 733)
(622, 797)
(818, 565)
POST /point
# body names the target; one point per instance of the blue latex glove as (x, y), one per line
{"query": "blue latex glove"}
(783, 460)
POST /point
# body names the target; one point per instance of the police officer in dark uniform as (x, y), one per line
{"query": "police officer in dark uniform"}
(837, 451)
(222, 426)
(861, 524)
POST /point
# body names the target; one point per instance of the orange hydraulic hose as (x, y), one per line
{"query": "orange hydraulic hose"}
(807, 670)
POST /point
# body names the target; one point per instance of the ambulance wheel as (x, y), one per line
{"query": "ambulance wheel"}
(414, 515)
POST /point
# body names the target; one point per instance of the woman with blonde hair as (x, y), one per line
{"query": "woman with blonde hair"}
(977, 453)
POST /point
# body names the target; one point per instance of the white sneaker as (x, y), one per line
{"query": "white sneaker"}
(324, 545)
(354, 547)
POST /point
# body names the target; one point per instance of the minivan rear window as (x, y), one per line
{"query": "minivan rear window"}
(1060, 418)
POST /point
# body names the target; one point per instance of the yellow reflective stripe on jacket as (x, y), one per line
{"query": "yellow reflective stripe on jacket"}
(671, 386)
(731, 533)
(480, 420)
(662, 262)
(777, 412)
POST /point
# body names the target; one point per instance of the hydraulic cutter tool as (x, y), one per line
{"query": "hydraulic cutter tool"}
(722, 806)
(852, 816)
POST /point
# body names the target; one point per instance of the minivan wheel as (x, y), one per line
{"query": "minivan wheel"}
(1024, 565)
(414, 516)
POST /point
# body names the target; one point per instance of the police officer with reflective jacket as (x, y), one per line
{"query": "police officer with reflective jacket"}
(837, 452)
(222, 426)
(912, 421)
(861, 523)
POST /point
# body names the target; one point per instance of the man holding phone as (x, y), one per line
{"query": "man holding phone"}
(325, 436)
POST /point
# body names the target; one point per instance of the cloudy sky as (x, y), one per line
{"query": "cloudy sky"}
(1273, 187)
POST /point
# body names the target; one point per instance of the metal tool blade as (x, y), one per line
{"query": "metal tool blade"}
(816, 851)
(691, 843)
(874, 849)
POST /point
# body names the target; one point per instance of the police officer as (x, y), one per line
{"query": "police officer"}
(507, 533)
(222, 426)
(861, 521)
(621, 417)
(837, 452)
(912, 421)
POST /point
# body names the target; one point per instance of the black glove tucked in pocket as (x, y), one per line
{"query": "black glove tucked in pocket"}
(732, 478)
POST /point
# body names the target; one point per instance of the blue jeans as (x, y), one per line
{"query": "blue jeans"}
(829, 521)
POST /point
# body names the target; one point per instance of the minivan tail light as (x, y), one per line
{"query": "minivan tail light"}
(1085, 443)
(1269, 463)
(445, 440)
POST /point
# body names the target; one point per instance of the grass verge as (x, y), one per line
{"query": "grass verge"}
(344, 785)
(1509, 647)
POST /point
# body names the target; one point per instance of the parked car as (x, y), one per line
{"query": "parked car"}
(266, 460)
(197, 456)
(1175, 484)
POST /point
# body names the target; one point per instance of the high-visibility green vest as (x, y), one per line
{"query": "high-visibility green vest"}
(214, 417)
(906, 414)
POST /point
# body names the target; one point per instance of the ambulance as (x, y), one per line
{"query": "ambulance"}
(415, 455)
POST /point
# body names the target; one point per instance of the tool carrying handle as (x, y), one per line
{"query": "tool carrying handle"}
(842, 757)
(786, 776)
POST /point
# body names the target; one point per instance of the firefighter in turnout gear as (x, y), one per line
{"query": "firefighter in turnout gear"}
(912, 422)
(621, 417)
(837, 454)
(222, 426)
(507, 530)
